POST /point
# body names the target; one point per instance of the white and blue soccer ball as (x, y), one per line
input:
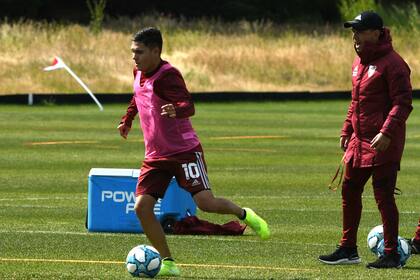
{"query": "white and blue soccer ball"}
(374, 237)
(404, 249)
(143, 261)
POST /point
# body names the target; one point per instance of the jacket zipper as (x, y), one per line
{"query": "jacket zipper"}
(357, 160)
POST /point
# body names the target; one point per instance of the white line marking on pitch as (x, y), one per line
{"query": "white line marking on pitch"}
(32, 206)
(324, 210)
(42, 198)
(180, 264)
(208, 238)
(265, 197)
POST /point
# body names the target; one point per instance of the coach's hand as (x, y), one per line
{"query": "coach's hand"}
(380, 142)
(124, 130)
(344, 142)
(168, 110)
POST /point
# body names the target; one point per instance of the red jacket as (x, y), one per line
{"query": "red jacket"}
(381, 102)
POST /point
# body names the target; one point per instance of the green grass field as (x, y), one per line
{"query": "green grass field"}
(43, 192)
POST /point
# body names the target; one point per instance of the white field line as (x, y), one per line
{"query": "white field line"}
(265, 209)
(43, 198)
(265, 197)
(251, 197)
(180, 264)
(197, 237)
(327, 210)
(55, 232)
(327, 195)
(32, 206)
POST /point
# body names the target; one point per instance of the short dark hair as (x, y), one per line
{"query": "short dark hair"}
(150, 37)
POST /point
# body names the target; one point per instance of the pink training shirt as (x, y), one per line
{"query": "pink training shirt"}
(163, 136)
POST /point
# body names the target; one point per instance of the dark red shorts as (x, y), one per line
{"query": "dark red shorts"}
(189, 169)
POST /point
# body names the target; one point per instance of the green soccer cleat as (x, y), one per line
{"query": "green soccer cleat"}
(257, 224)
(169, 268)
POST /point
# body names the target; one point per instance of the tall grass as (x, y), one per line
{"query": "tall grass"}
(213, 56)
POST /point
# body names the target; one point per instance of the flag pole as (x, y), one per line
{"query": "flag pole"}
(58, 63)
(84, 86)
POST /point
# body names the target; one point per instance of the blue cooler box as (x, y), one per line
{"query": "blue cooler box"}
(111, 198)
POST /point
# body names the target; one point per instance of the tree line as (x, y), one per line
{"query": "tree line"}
(278, 11)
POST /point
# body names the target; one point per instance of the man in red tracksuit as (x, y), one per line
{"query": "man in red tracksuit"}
(373, 136)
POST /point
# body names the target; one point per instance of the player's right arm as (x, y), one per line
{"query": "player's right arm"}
(124, 126)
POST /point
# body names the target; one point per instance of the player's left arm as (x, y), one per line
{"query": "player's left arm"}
(171, 87)
(400, 93)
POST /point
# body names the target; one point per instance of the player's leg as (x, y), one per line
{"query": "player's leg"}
(384, 181)
(206, 201)
(152, 228)
(191, 174)
(153, 182)
(351, 193)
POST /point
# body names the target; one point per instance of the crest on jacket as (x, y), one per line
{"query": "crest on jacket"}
(371, 70)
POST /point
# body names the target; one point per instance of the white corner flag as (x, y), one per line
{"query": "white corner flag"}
(58, 63)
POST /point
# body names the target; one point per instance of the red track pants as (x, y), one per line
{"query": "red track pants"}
(417, 237)
(384, 178)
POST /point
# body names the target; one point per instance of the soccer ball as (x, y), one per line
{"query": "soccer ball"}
(374, 237)
(403, 248)
(143, 261)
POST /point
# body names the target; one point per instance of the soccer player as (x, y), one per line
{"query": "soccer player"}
(373, 136)
(172, 147)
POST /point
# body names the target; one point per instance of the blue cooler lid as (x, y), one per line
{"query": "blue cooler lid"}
(115, 172)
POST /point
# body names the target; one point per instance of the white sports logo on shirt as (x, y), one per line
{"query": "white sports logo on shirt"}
(355, 70)
(371, 70)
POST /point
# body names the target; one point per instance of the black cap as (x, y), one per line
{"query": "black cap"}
(364, 21)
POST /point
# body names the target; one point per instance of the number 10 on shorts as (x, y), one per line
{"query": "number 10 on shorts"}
(191, 170)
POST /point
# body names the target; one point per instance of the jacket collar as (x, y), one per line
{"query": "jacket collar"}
(373, 51)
